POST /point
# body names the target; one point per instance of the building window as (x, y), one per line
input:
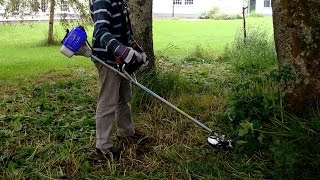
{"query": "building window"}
(64, 6)
(188, 2)
(267, 3)
(44, 5)
(177, 2)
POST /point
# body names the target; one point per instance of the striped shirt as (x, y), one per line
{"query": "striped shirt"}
(111, 27)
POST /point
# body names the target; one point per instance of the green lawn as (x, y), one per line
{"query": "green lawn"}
(176, 37)
(23, 53)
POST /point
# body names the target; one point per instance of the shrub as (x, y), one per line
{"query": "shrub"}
(209, 14)
(215, 13)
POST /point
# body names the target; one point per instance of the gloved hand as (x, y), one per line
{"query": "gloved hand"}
(128, 54)
(139, 49)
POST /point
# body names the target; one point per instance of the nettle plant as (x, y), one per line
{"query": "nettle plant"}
(256, 102)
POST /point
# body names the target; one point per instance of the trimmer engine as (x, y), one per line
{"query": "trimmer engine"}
(75, 43)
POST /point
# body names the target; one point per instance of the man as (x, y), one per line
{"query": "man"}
(113, 43)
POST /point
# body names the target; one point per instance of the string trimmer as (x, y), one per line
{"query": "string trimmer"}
(75, 43)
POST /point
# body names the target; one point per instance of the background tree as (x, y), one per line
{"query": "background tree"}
(297, 39)
(79, 6)
(141, 19)
(51, 21)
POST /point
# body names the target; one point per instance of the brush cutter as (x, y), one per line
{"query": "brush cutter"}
(75, 43)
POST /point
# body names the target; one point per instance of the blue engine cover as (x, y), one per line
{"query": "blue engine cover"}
(75, 39)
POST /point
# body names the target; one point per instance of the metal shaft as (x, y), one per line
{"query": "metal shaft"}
(128, 77)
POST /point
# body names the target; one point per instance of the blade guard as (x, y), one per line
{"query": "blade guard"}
(73, 41)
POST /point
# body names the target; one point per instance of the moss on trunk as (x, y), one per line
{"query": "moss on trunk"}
(297, 37)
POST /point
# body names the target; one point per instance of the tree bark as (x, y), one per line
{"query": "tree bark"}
(141, 20)
(51, 21)
(297, 39)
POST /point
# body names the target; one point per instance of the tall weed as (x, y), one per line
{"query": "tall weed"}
(253, 54)
(256, 113)
(254, 97)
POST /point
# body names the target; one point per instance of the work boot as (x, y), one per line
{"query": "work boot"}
(110, 153)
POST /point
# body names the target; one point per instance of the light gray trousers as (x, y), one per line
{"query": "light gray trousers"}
(113, 104)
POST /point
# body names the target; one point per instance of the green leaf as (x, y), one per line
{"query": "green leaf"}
(86, 166)
(2, 158)
(11, 167)
(243, 132)
(260, 138)
(17, 126)
(247, 125)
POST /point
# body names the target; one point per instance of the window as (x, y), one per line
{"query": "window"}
(188, 2)
(267, 3)
(64, 6)
(177, 2)
(44, 5)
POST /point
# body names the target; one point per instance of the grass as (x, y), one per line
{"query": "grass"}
(175, 38)
(24, 56)
(23, 53)
(47, 108)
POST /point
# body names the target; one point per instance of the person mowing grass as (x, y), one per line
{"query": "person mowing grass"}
(113, 43)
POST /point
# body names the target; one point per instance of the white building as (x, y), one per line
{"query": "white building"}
(263, 7)
(161, 8)
(192, 8)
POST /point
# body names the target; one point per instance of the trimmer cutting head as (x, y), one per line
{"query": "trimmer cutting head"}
(219, 142)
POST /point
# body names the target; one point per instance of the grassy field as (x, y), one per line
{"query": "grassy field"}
(23, 53)
(176, 37)
(47, 106)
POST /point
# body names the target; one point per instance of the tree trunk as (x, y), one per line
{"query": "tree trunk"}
(297, 39)
(141, 19)
(51, 21)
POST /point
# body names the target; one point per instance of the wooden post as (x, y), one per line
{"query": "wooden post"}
(244, 23)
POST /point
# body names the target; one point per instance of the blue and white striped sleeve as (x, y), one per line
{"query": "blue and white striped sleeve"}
(102, 15)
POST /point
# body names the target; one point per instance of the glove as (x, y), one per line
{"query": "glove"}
(139, 49)
(128, 54)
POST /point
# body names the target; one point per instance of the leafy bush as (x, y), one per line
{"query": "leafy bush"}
(215, 13)
(257, 114)
(209, 14)
(255, 97)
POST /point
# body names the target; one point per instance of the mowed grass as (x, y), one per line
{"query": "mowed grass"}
(177, 37)
(23, 54)
(47, 127)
